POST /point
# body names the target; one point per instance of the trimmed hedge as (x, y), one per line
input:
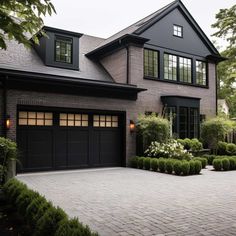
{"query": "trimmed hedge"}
(203, 160)
(217, 164)
(41, 215)
(170, 166)
(224, 163)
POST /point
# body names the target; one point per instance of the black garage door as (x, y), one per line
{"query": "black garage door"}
(63, 140)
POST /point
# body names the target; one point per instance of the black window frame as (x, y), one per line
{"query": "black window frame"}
(157, 64)
(178, 27)
(169, 54)
(55, 48)
(178, 70)
(196, 82)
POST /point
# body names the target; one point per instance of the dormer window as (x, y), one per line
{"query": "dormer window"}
(63, 49)
(178, 31)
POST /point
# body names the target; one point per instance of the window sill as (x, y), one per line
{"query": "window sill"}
(175, 82)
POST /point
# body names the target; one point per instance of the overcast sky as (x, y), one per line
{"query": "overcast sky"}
(103, 18)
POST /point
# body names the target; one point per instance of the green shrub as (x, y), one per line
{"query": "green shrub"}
(191, 167)
(185, 167)
(232, 162)
(154, 164)
(146, 163)
(73, 227)
(225, 164)
(231, 149)
(177, 167)
(198, 167)
(152, 128)
(202, 160)
(162, 165)
(214, 130)
(140, 162)
(50, 221)
(133, 162)
(209, 158)
(169, 166)
(196, 145)
(217, 164)
(221, 148)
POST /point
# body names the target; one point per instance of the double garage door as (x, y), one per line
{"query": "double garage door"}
(65, 140)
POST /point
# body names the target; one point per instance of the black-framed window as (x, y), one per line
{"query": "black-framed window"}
(170, 67)
(178, 31)
(171, 115)
(185, 70)
(151, 63)
(183, 122)
(63, 49)
(201, 73)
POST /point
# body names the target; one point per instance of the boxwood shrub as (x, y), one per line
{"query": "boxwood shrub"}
(133, 162)
(198, 167)
(162, 165)
(192, 167)
(217, 164)
(225, 164)
(232, 163)
(203, 160)
(41, 215)
(177, 167)
(140, 162)
(154, 164)
(146, 163)
(169, 166)
(185, 167)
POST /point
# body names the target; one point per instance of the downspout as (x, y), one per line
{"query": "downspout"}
(4, 106)
(216, 77)
(127, 63)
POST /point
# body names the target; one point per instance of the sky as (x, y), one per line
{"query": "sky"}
(103, 18)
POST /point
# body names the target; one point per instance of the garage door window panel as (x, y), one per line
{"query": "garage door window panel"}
(35, 118)
(105, 121)
(73, 119)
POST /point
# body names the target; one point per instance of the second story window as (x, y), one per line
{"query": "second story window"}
(63, 50)
(150, 63)
(201, 75)
(170, 67)
(185, 70)
(178, 31)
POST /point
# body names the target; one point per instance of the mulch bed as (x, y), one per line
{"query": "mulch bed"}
(11, 223)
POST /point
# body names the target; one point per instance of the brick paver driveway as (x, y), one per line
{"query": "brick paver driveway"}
(123, 201)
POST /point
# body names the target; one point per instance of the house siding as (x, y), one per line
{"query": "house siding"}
(116, 65)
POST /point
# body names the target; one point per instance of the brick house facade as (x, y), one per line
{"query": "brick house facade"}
(104, 79)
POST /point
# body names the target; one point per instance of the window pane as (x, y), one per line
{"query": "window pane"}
(185, 70)
(63, 50)
(22, 114)
(150, 63)
(22, 121)
(170, 67)
(63, 123)
(201, 76)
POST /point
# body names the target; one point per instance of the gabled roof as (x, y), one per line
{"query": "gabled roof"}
(142, 25)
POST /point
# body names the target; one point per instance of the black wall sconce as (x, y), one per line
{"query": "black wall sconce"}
(131, 126)
(8, 122)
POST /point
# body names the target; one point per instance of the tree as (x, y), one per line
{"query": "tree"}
(226, 25)
(21, 17)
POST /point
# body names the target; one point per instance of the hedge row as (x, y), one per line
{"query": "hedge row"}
(211, 158)
(41, 215)
(226, 163)
(170, 166)
(224, 148)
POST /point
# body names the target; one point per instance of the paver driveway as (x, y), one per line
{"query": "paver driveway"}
(123, 201)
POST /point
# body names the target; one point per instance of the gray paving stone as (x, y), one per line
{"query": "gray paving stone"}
(123, 201)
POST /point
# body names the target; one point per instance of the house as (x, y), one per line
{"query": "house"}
(70, 102)
(223, 107)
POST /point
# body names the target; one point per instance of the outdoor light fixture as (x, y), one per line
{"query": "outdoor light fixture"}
(8, 122)
(131, 126)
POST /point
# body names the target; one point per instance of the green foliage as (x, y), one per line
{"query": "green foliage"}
(49, 222)
(198, 167)
(171, 149)
(202, 160)
(169, 166)
(185, 167)
(191, 167)
(8, 152)
(154, 164)
(225, 164)
(21, 17)
(214, 130)
(140, 162)
(162, 165)
(133, 162)
(226, 28)
(217, 164)
(146, 163)
(221, 148)
(209, 158)
(177, 167)
(191, 144)
(232, 163)
(152, 128)
(231, 149)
